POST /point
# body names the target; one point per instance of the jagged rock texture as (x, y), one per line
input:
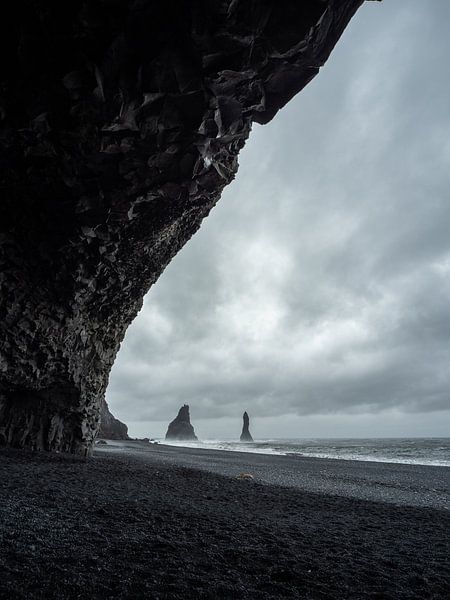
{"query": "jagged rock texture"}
(246, 435)
(120, 124)
(180, 428)
(110, 427)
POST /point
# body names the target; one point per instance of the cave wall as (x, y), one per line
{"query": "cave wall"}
(120, 124)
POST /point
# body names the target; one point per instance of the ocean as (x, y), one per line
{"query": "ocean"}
(419, 451)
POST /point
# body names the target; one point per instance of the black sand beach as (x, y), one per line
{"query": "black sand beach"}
(142, 524)
(413, 485)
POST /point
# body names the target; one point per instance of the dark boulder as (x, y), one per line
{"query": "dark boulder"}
(246, 435)
(180, 428)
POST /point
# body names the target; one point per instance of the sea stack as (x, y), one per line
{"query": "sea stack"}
(246, 435)
(180, 428)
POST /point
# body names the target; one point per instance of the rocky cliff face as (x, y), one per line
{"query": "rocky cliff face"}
(246, 435)
(110, 427)
(180, 428)
(120, 124)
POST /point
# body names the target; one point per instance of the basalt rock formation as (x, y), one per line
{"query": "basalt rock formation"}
(246, 435)
(110, 427)
(120, 124)
(180, 428)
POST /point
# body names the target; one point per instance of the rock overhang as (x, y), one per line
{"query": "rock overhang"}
(120, 124)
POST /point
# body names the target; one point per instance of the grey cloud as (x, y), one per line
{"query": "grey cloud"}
(320, 283)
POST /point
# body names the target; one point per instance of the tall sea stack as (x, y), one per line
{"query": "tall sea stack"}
(180, 428)
(246, 435)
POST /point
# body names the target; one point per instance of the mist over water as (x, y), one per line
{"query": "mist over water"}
(419, 451)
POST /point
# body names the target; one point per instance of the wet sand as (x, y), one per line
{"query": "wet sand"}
(132, 523)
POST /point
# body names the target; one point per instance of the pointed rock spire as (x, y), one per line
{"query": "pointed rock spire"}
(180, 428)
(246, 435)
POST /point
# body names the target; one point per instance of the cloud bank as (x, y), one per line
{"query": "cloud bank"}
(320, 284)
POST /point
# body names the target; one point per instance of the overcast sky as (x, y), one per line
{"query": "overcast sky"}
(316, 296)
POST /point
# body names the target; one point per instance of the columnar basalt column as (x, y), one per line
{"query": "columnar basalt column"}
(120, 124)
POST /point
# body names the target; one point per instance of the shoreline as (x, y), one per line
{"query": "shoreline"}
(396, 483)
(273, 453)
(117, 526)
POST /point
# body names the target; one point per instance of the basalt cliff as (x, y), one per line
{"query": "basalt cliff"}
(110, 427)
(120, 124)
